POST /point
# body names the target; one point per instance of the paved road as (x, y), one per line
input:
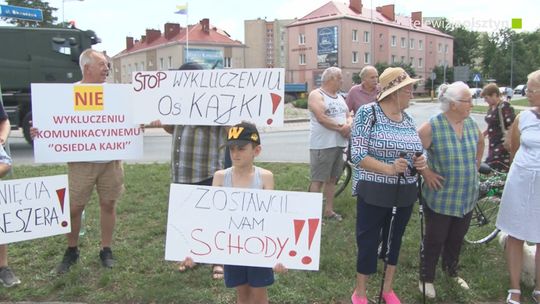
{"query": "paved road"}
(285, 144)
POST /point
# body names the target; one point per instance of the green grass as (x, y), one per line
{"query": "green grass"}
(142, 275)
(520, 101)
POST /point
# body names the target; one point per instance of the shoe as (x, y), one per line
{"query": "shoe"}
(334, 217)
(535, 295)
(71, 256)
(8, 278)
(430, 290)
(106, 257)
(509, 298)
(390, 298)
(217, 272)
(461, 282)
(358, 300)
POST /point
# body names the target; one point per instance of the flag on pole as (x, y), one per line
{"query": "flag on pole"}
(182, 9)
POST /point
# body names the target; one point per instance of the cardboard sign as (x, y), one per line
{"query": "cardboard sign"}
(210, 97)
(79, 122)
(33, 208)
(238, 226)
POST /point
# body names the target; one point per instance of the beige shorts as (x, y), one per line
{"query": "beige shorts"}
(107, 177)
(326, 163)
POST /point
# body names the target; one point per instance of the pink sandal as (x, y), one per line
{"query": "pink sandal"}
(390, 298)
(358, 300)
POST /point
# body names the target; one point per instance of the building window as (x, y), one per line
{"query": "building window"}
(142, 65)
(402, 59)
(136, 66)
(366, 37)
(393, 59)
(367, 57)
(355, 35)
(446, 48)
(169, 63)
(412, 61)
(403, 42)
(393, 41)
(411, 43)
(301, 39)
(161, 65)
(420, 63)
(354, 57)
(420, 44)
(302, 60)
(227, 62)
(440, 47)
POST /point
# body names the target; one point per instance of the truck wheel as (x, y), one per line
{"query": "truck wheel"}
(26, 124)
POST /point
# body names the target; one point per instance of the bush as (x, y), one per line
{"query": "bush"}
(300, 103)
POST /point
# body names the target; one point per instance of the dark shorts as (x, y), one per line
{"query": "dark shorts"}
(252, 276)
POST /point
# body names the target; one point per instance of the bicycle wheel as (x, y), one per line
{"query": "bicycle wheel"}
(482, 228)
(344, 179)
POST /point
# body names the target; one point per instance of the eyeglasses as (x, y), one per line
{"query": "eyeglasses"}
(465, 100)
(527, 91)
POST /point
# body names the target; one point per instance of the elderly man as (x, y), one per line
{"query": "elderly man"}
(330, 128)
(106, 176)
(366, 91)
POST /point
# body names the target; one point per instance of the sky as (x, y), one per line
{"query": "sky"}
(113, 20)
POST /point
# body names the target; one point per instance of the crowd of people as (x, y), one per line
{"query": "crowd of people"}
(389, 155)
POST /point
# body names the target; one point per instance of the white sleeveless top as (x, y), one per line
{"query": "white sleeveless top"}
(319, 136)
(528, 155)
(256, 183)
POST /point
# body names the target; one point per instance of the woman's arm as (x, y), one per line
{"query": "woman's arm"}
(431, 178)
(514, 138)
(480, 149)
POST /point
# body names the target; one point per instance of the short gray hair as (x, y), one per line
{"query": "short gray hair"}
(534, 76)
(87, 56)
(330, 73)
(364, 71)
(449, 93)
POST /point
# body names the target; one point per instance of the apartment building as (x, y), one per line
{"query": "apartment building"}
(266, 43)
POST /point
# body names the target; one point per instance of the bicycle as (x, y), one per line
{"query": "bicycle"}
(482, 228)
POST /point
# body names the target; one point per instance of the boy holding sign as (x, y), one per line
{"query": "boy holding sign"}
(244, 143)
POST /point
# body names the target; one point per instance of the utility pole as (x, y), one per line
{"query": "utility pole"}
(512, 64)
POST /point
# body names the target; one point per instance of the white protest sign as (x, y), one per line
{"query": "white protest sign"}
(239, 226)
(33, 208)
(210, 97)
(81, 122)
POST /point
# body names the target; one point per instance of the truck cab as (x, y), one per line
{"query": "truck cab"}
(37, 55)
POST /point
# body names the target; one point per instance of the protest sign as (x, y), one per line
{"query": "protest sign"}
(239, 226)
(209, 97)
(33, 208)
(81, 122)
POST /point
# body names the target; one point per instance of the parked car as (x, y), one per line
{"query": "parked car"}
(475, 92)
(520, 89)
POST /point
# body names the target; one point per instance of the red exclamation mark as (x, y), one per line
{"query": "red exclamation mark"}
(298, 226)
(61, 193)
(276, 100)
(313, 224)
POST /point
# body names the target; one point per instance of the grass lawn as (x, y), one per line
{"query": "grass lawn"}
(141, 274)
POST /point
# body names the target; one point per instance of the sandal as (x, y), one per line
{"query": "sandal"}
(509, 298)
(217, 272)
(334, 217)
(535, 295)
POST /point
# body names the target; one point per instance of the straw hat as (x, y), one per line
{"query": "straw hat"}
(393, 79)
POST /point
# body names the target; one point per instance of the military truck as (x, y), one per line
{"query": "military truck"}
(37, 55)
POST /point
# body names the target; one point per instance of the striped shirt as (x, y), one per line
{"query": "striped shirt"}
(375, 135)
(455, 160)
(198, 152)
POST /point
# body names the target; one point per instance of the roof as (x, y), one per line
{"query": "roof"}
(337, 10)
(196, 35)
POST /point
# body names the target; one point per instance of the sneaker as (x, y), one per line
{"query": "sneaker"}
(430, 290)
(106, 257)
(8, 278)
(461, 282)
(71, 256)
(390, 298)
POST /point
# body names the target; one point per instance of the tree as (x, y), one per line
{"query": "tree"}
(48, 18)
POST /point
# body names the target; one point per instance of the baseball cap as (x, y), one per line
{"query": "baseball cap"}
(242, 134)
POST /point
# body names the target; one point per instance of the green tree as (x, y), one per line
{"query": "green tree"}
(48, 18)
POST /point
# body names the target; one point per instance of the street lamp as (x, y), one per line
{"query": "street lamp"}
(63, 10)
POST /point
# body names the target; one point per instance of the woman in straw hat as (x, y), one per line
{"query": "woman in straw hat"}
(455, 146)
(384, 142)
